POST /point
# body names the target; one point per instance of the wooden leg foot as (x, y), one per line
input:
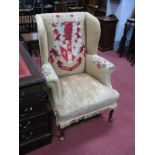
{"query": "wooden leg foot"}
(61, 136)
(111, 116)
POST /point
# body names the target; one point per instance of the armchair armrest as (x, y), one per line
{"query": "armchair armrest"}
(99, 68)
(49, 73)
(52, 81)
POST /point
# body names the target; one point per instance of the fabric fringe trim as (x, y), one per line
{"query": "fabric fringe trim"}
(64, 124)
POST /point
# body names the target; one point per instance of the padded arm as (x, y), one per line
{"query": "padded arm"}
(99, 68)
(52, 81)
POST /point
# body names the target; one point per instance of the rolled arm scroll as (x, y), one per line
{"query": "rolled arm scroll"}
(99, 68)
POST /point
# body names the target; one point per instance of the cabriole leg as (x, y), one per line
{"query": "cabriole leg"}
(61, 136)
(111, 116)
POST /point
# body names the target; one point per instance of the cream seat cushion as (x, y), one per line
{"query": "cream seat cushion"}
(82, 94)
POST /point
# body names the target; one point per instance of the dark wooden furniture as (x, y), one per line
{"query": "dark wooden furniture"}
(108, 28)
(60, 6)
(35, 114)
(129, 52)
(101, 11)
(26, 20)
(26, 16)
(44, 6)
(27, 11)
(92, 6)
(76, 5)
(96, 7)
(31, 40)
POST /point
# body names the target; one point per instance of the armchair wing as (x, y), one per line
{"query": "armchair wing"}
(99, 68)
(43, 41)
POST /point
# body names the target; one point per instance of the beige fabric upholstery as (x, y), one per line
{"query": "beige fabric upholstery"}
(93, 32)
(82, 94)
(43, 44)
(79, 90)
(99, 68)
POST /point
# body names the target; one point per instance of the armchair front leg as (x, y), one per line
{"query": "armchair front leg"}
(62, 135)
(110, 119)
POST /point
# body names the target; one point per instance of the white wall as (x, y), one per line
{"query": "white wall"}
(122, 10)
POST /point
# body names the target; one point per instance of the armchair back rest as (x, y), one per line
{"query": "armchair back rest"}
(65, 38)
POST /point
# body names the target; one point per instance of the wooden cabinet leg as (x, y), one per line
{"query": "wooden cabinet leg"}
(111, 116)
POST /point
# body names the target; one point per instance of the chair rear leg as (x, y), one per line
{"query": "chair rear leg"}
(110, 119)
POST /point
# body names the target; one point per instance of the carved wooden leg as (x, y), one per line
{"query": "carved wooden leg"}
(111, 116)
(61, 136)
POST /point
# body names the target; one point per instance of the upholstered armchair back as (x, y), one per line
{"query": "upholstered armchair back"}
(66, 38)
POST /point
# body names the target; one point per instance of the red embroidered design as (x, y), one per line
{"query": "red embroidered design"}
(82, 49)
(58, 37)
(64, 53)
(54, 25)
(56, 31)
(99, 63)
(78, 23)
(78, 35)
(51, 59)
(60, 65)
(58, 16)
(54, 53)
(68, 43)
(68, 30)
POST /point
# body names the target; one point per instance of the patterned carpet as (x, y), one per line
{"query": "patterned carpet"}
(97, 136)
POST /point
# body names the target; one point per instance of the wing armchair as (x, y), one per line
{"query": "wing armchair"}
(78, 77)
